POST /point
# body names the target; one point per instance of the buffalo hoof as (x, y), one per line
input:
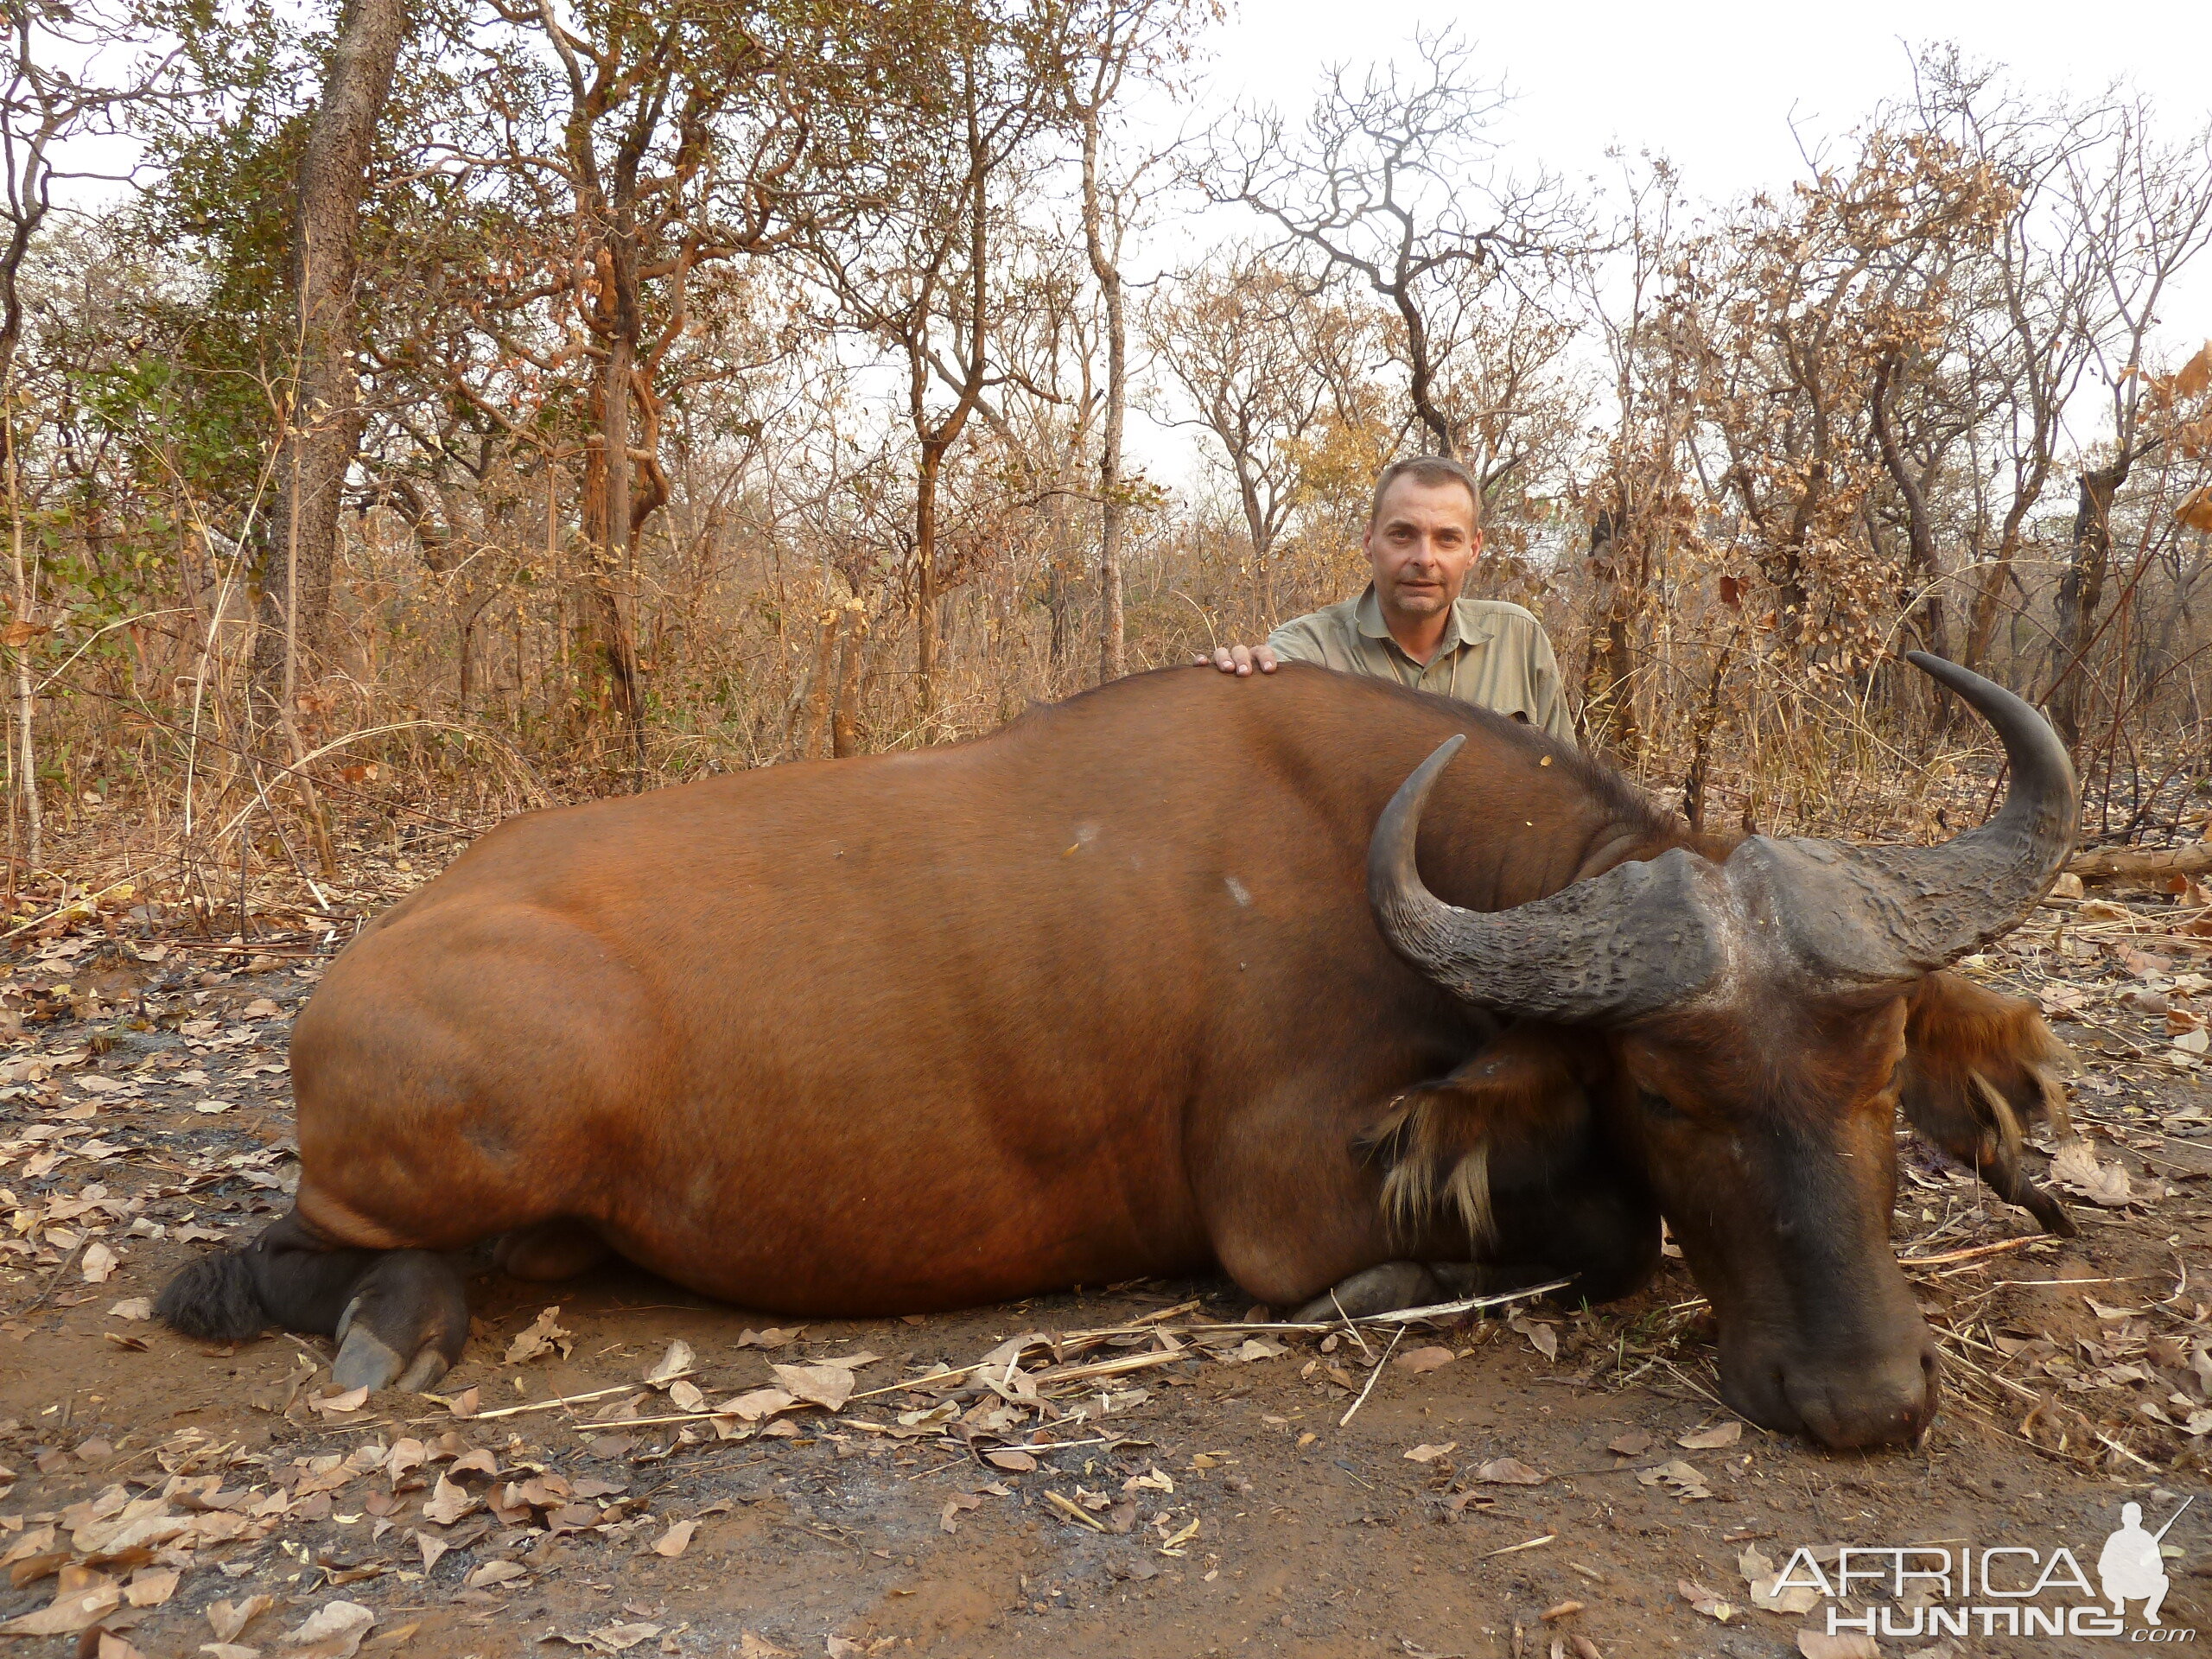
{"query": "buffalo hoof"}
(1383, 1289)
(405, 1325)
(364, 1362)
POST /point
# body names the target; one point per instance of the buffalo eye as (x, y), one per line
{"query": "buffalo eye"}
(1658, 1106)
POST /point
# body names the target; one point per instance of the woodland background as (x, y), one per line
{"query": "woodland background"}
(464, 408)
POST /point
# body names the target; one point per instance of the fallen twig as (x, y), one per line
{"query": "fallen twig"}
(1352, 1410)
(60, 1273)
(1972, 1253)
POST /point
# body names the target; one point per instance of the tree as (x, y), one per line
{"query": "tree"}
(1266, 362)
(43, 107)
(915, 266)
(1396, 183)
(1108, 38)
(320, 413)
(2146, 210)
(669, 141)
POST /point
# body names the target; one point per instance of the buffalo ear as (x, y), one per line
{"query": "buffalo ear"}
(1508, 1117)
(1979, 1069)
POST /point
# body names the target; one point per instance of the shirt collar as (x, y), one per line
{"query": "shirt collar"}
(1466, 626)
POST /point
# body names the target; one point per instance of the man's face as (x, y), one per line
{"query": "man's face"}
(1422, 544)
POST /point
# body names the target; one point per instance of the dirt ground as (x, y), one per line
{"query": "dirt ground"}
(1503, 1488)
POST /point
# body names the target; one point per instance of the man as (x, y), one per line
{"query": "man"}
(1423, 535)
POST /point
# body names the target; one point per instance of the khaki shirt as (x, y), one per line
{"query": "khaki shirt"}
(1494, 655)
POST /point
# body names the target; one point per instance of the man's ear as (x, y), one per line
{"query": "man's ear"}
(1978, 1067)
(1509, 1116)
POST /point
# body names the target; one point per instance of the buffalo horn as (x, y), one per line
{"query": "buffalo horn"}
(1871, 915)
(1629, 942)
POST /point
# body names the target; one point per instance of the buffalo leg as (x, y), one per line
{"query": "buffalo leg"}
(550, 1251)
(400, 1317)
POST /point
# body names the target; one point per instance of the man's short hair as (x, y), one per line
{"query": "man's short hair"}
(1431, 470)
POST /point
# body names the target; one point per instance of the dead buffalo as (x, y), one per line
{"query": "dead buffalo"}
(1124, 989)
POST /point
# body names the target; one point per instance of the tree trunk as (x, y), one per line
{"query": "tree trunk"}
(814, 706)
(322, 417)
(1989, 589)
(1421, 374)
(926, 576)
(2081, 590)
(845, 721)
(1112, 510)
(609, 515)
(1919, 533)
(1608, 694)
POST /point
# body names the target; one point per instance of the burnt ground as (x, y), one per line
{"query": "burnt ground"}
(1206, 1499)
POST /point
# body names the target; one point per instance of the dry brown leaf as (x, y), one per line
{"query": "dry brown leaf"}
(823, 1385)
(494, 1573)
(1711, 1439)
(678, 1361)
(448, 1503)
(1634, 1444)
(1421, 1361)
(750, 1646)
(1508, 1472)
(1761, 1575)
(1813, 1644)
(337, 1405)
(948, 1518)
(334, 1631)
(544, 1337)
(1709, 1602)
(1687, 1483)
(99, 1263)
(676, 1540)
(227, 1619)
(135, 1308)
(758, 1403)
(2078, 1171)
(152, 1586)
(1544, 1338)
(71, 1610)
(1020, 1462)
(1428, 1453)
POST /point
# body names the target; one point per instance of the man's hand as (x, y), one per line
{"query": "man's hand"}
(1243, 659)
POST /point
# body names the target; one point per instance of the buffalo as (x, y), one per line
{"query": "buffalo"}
(1347, 991)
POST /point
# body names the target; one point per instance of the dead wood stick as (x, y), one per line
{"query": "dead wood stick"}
(551, 1405)
(1972, 1254)
(2194, 860)
(1114, 1367)
(60, 1273)
(1352, 1410)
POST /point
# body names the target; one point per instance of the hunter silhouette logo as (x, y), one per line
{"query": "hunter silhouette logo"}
(2130, 1567)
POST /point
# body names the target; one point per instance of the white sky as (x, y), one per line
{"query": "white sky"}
(1716, 85)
